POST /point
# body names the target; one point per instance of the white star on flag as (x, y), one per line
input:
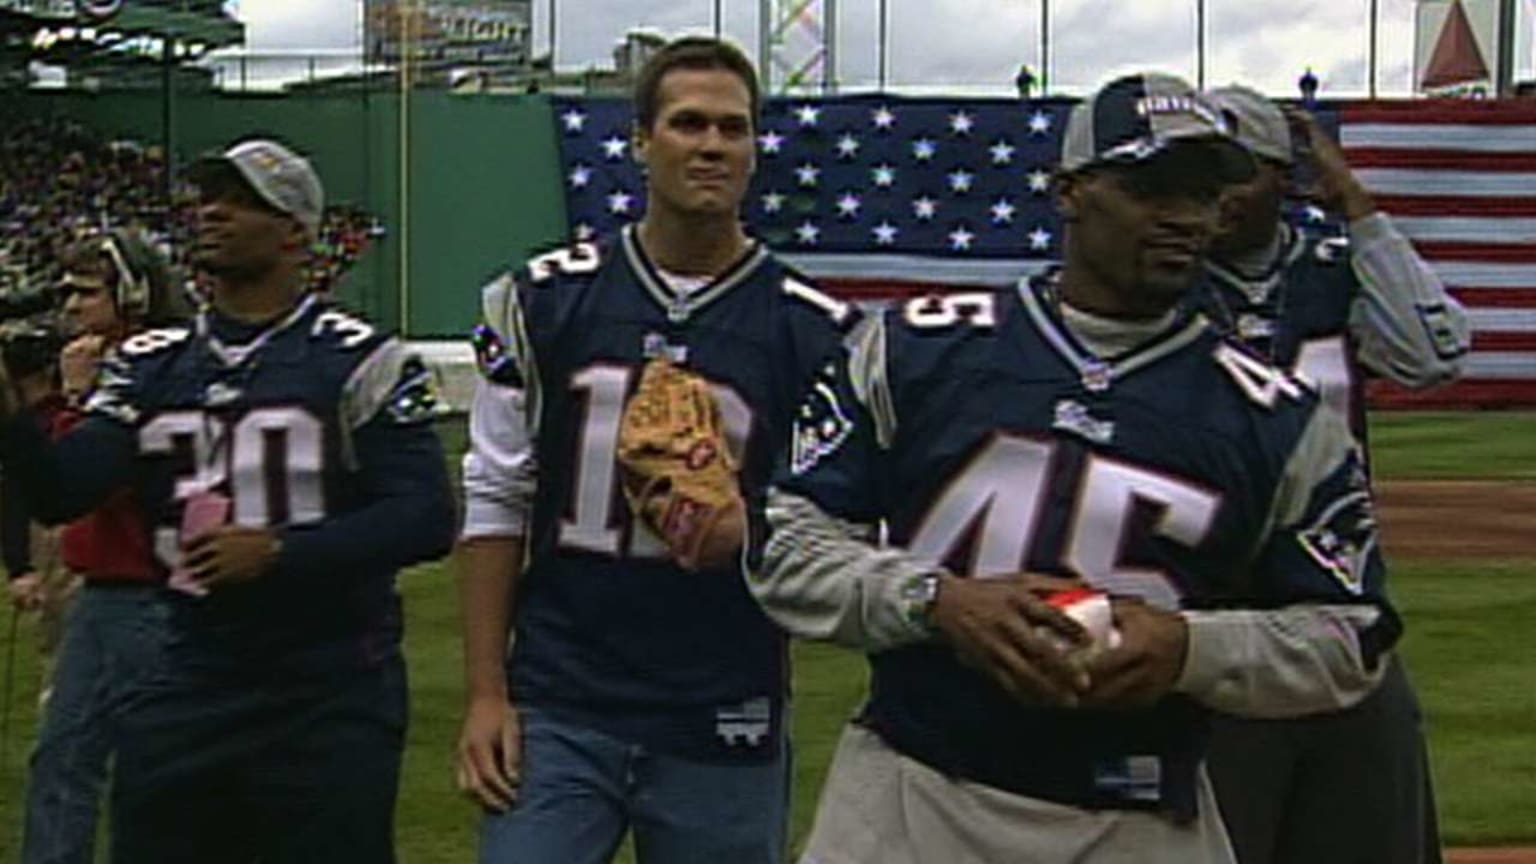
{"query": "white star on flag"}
(960, 181)
(885, 234)
(807, 233)
(581, 175)
(847, 146)
(960, 239)
(883, 175)
(1039, 123)
(771, 142)
(1002, 211)
(574, 120)
(883, 119)
(924, 149)
(1040, 239)
(613, 148)
(1316, 214)
(806, 174)
(620, 201)
(807, 115)
(773, 202)
(961, 123)
(1039, 181)
(925, 208)
(585, 231)
(1002, 153)
(848, 205)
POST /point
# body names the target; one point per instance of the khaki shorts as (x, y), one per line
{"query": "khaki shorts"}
(880, 807)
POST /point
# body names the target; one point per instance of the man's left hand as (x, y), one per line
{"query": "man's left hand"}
(1337, 189)
(1146, 664)
(231, 554)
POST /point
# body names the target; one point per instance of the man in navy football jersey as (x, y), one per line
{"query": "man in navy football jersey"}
(1083, 428)
(637, 694)
(283, 456)
(1351, 785)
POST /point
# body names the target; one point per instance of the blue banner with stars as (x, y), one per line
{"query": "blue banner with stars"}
(873, 195)
(856, 187)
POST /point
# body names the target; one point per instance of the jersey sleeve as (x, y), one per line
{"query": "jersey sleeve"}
(500, 465)
(392, 385)
(405, 513)
(813, 561)
(1323, 624)
(68, 477)
(1407, 325)
(119, 392)
(1322, 542)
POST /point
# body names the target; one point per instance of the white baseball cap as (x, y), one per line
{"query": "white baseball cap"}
(282, 178)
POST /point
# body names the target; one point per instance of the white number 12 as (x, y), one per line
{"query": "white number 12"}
(590, 524)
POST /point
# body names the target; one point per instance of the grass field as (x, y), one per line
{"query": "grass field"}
(1463, 622)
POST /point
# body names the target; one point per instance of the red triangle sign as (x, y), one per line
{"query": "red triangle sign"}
(1456, 59)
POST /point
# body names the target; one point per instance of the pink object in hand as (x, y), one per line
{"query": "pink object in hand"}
(203, 512)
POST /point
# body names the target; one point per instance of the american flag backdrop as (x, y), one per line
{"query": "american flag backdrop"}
(881, 197)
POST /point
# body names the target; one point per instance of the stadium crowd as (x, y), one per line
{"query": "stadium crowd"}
(59, 178)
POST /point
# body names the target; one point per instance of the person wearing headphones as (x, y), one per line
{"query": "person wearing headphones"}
(114, 286)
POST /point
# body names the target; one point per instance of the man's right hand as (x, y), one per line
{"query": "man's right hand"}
(491, 753)
(26, 591)
(1004, 627)
(78, 363)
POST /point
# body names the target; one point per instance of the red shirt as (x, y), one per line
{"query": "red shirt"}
(111, 543)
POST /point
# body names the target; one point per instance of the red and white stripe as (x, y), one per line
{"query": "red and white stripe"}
(1459, 178)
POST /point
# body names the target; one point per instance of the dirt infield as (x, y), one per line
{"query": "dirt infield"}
(1445, 519)
(1525, 855)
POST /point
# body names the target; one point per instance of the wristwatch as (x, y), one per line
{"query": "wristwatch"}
(918, 596)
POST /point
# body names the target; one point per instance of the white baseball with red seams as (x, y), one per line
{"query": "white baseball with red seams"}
(1092, 610)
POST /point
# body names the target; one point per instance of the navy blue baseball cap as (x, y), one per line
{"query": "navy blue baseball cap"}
(1137, 118)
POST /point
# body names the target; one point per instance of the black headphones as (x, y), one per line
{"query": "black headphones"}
(137, 267)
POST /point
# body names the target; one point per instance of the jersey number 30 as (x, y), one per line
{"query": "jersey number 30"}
(271, 458)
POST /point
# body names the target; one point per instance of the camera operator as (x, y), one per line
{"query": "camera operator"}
(31, 351)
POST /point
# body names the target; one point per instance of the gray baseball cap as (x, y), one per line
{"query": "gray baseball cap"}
(1258, 123)
(1138, 117)
(282, 178)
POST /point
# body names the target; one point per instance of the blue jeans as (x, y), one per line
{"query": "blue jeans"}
(111, 645)
(582, 788)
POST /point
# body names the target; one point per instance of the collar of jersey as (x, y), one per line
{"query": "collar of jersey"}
(1260, 288)
(680, 307)
(235, 355)
(1037, 295)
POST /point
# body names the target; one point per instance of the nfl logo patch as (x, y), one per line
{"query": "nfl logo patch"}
(1097, 376)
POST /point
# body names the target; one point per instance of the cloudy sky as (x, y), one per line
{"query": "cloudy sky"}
(976, 45)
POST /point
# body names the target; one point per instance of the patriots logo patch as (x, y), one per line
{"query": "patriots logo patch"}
(1342, 539)
(414, 399)
(821, 426)
(496, 363)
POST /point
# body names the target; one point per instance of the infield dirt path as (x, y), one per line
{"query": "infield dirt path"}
(1458, 519)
